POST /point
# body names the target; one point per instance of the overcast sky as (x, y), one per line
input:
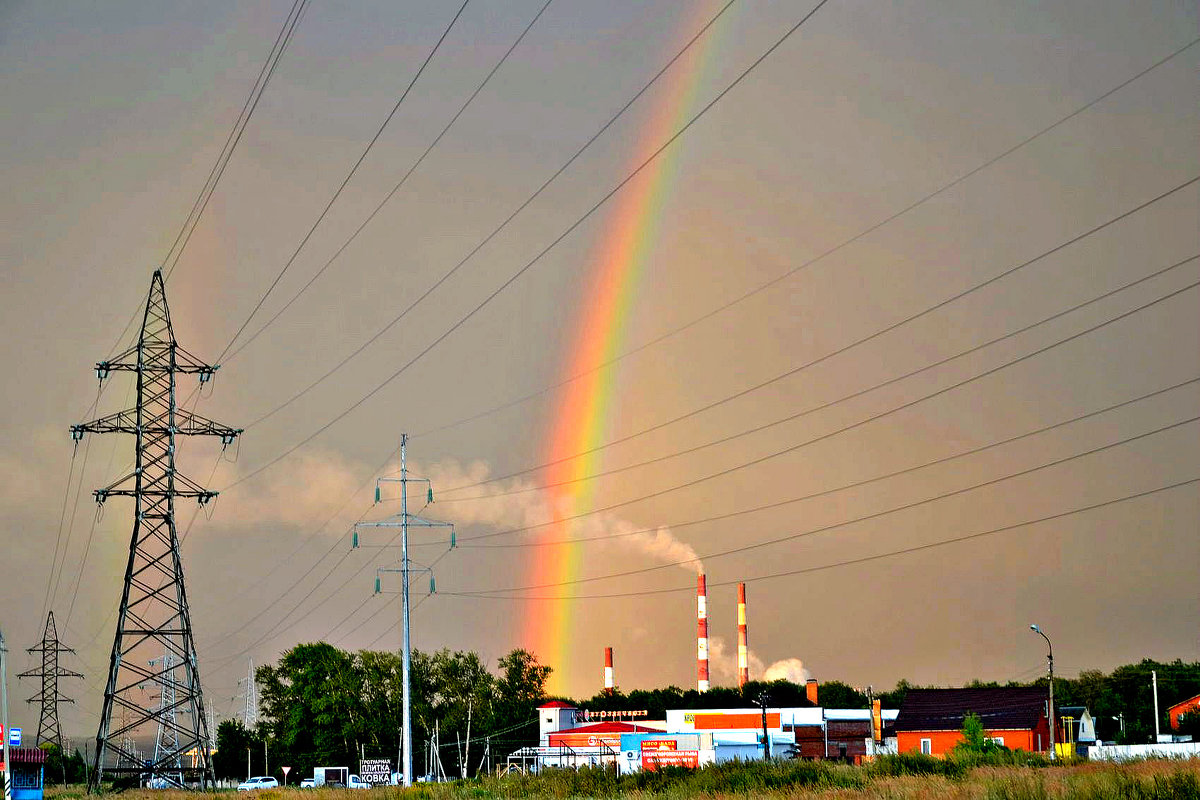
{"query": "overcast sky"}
(116, 112)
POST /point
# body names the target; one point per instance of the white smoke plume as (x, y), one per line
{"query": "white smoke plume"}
(722, 661)
(791, 669)
(298, 495)
(517, 503)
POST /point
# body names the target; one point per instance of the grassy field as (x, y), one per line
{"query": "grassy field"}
(905, 778)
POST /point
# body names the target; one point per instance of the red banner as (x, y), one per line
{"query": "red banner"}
(656, 759)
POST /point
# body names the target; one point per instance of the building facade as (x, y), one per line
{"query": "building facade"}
(930, 721)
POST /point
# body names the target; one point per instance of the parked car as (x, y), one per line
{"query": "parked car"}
(356, 782)
(308, 783)
(261, 782)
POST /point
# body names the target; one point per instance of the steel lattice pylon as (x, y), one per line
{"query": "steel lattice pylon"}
(153, 617)
(49, 729)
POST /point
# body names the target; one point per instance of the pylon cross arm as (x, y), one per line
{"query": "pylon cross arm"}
(184, 487)
(156, 358)
(187, 423)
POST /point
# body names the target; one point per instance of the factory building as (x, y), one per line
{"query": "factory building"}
(570, 737)
(630, 742)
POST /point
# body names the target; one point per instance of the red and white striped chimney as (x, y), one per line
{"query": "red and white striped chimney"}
(743, 663)
(608, 671)
(701, 633)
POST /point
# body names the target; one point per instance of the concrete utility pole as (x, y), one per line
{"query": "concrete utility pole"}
(403, 521)
(4, 712)
(1050, 662)
(763, 700)
(1154, 686)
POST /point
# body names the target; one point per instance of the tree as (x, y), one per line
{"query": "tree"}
(69, 770)
(975, 741)
(1189, 725)
(836, 694)
(234, 742)
(519, 690)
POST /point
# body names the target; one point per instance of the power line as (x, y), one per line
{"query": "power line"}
(62, 516)
(276, 629)
(872, 418)
(387, 198)
(856, 520)
(844, 487)
(465, 540)
(345, 181)
(790, 417)
(848, 562)
(794, 270)
(282, 39)
(495, 232)
(235, 136)
(231, 141)
(300, 581)
(513, 278)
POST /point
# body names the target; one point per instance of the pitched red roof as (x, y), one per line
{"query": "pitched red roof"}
(1191, 701)
(1004, 708)
(555, 704)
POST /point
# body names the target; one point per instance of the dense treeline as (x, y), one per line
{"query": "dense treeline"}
(321, 706)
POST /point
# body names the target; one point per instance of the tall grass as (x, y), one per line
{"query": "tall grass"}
(905, 777)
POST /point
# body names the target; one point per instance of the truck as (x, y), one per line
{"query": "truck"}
(338, 777)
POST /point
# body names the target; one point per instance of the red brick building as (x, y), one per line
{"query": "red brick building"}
(930, 720)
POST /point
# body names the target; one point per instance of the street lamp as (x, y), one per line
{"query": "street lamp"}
(1050, 661)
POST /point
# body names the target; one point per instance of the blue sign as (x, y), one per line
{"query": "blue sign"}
(14, 737)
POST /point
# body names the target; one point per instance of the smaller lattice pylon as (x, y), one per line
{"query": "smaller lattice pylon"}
(49, 728)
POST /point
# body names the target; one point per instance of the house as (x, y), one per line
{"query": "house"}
(931, 720)
(1189, 706)
(1077, 730)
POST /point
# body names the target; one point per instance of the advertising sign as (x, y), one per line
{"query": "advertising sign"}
(591, 716)
(657, 759)
(375, 771)
(659, 744)
(586, 739)
(727, 722)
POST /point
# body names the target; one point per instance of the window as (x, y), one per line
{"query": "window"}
(927, 746)
(998, 740)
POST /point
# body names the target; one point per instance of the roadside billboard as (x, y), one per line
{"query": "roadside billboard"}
(375, 771)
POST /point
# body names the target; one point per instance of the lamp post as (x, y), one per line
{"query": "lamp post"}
(1050, 662)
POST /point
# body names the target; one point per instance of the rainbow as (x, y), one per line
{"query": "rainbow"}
(586, 407)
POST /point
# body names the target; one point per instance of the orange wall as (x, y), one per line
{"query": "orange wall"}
(1189, 707)
(728, 722)
(943, 741)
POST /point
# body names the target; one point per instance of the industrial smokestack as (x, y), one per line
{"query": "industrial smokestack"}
(608, 671)
(701, 633)
(743, 658)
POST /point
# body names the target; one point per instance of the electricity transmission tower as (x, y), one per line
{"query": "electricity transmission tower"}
(49, 728)
(403, 521)
(250, 694)
(166, 740)
(153, 617)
